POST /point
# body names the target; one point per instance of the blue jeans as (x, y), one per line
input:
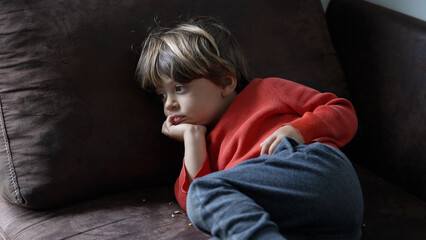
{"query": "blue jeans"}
(298, 192)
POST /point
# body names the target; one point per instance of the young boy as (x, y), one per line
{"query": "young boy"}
(261, 157)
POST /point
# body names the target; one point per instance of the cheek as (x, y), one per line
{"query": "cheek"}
(203, 108)
(195, 108)
(209, 108)
(199, 109)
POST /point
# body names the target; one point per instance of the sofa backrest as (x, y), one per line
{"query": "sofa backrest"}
(75, 124)
(383, 55)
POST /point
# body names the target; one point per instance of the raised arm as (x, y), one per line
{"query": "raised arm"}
(323, 117)
(194, 139)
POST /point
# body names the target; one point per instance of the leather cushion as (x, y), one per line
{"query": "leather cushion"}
(383, 57)
(74, 122)
(140, 214)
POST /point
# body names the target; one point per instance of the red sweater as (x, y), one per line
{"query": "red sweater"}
(260, 109)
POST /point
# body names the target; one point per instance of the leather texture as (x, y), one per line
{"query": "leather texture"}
(75, 124)
(389, 211)
(142, 214)
(383, 55)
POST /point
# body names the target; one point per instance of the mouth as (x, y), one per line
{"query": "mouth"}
(176, 119)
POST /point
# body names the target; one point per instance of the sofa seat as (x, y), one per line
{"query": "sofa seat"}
(390, 213)
(139, 214)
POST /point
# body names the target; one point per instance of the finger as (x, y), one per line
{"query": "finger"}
(266, 145)
(263, 147)
(273, 146)
(169, 120)
(262, 151)
(166, 127)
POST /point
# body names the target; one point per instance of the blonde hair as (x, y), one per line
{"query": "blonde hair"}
(199, 48)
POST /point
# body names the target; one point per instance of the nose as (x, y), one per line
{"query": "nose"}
(171, 104)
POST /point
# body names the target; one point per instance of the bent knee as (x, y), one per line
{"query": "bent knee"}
(200, 192)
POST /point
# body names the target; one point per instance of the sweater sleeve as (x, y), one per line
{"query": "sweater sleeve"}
(323, 116)
(182, 184)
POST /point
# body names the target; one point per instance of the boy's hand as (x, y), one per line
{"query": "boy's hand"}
(194, 138)
(271, 143)
(178, 131)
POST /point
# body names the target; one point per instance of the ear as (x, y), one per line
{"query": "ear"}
(229, 83)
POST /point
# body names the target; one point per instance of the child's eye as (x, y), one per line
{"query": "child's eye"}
(180, 88)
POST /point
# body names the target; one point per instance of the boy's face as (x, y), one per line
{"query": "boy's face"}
(199, 102)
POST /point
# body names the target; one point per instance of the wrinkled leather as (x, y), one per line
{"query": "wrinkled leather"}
(76, 123)
(390, 213)
(136, 215)
(383, 55)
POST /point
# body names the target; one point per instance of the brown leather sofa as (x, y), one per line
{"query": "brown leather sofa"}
(81, 153)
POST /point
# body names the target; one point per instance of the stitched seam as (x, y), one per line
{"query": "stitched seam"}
(12, 173)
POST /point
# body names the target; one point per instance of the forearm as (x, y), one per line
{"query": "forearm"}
(333, 122)
(195, 150)
(323, 116)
